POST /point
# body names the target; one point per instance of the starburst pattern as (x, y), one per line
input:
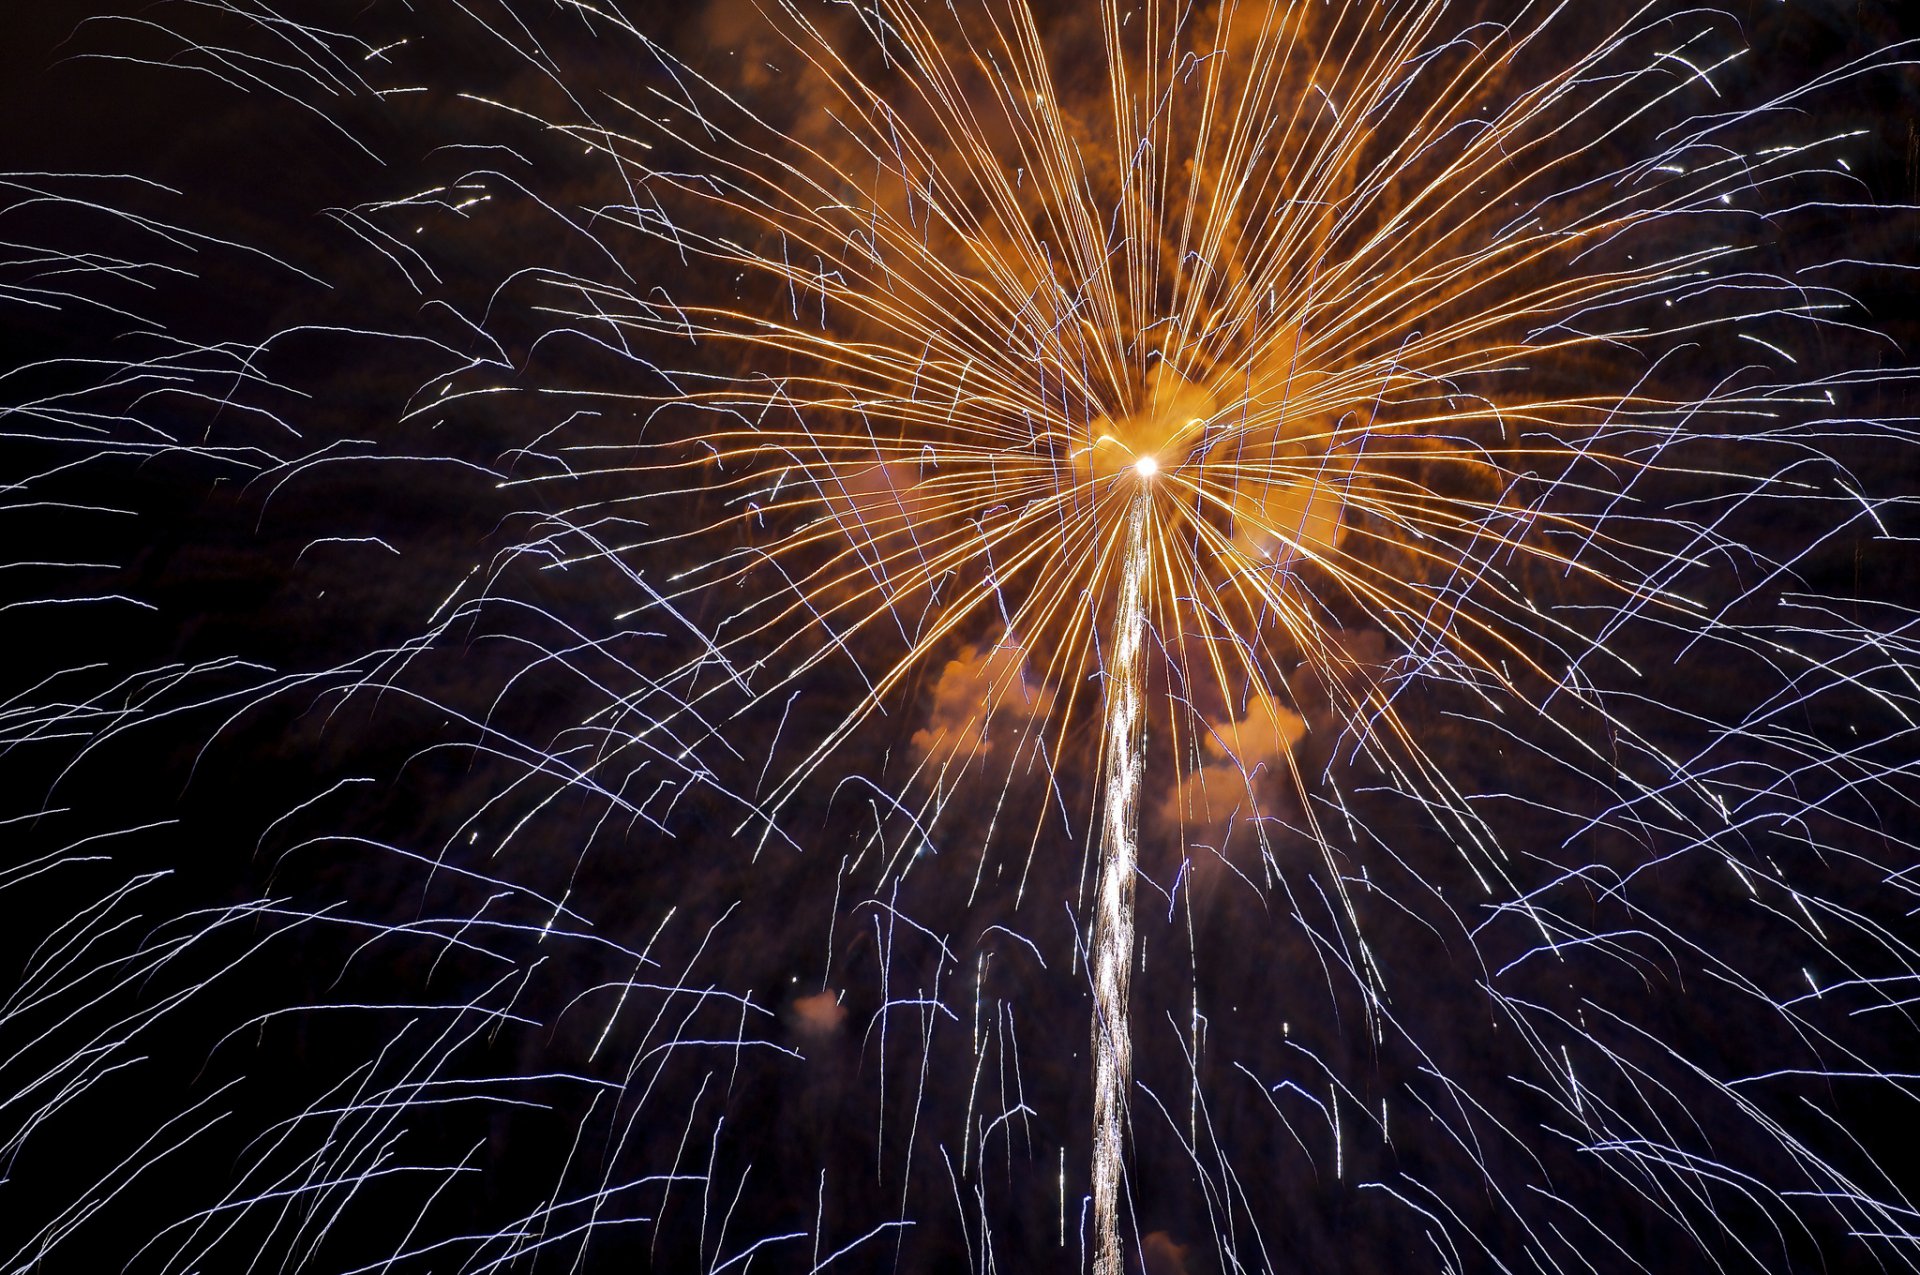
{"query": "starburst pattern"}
(1387, 458)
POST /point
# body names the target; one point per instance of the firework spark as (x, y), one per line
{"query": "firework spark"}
(1373, 484)
(1111, 957)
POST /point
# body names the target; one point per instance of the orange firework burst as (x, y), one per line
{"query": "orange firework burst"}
(1311, 283)
(1257, 326)
(1392, 470)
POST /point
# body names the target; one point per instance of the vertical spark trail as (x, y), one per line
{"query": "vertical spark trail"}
(1112, 955)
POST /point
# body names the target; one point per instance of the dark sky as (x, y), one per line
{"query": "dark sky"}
(365, 893)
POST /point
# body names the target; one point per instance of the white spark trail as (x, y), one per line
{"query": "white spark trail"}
(1110, 963)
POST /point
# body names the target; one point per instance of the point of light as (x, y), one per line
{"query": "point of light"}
(1146, 466)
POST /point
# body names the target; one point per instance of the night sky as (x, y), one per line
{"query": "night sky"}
(388, 879)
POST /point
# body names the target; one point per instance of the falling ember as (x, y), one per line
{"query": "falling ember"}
(608, 662)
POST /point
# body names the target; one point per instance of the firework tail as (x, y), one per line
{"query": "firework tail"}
(1113, 902)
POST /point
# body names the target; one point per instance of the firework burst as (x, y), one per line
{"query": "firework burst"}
(1363, 475)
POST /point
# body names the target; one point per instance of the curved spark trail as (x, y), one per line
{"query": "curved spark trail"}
(629, 622)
